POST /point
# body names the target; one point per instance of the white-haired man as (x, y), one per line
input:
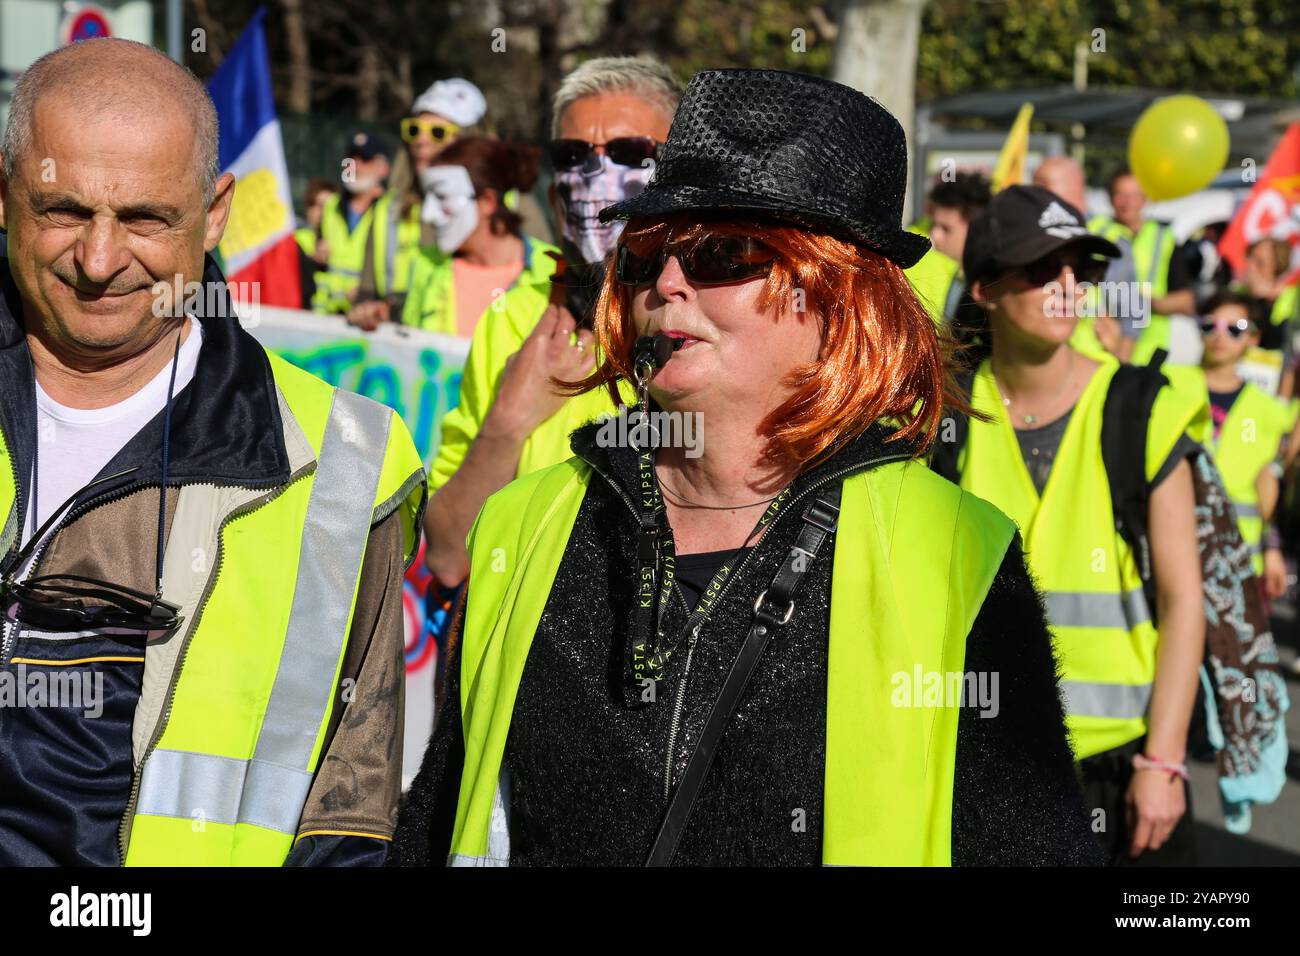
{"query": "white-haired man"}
(608, 118)
(201, 543)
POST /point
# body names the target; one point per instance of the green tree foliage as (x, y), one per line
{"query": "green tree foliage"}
(1249, 47)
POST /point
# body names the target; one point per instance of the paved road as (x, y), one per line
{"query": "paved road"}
(1274, 837)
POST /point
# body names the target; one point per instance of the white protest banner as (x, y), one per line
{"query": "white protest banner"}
(415, 373)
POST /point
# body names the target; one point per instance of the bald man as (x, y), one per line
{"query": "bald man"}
(1118, 333)
(201, 547)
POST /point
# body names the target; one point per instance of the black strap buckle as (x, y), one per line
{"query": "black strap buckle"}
(760, 609)
(821, 515)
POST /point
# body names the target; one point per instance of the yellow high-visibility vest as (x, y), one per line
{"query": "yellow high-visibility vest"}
(1105, 638)
(397, 246)
(914, 559)
(936, 280)
(500, 334)
(336, 283)
(306, 238)
(227, 773)
(1247, 442)
(431, 300)
(1153, 248)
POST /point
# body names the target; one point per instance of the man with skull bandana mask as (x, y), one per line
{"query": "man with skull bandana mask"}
(609, 115)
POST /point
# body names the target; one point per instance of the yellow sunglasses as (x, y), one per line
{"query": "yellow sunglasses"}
(439, 131)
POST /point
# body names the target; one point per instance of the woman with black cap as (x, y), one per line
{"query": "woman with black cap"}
(1089, 458)
(790, 642)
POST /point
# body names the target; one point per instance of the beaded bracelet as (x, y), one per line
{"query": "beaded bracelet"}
(1143, 762)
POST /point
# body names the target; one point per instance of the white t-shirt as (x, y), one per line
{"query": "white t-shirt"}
(76, 443)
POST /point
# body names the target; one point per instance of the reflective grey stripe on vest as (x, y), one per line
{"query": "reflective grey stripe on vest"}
(1245, 510)
(1119, 701)
(1157, 251)
(498, 845)
(1092, 609)
(390, 250)
(216, 789)
(270, 789)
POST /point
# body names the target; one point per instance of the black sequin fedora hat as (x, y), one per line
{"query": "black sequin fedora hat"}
(786, 146)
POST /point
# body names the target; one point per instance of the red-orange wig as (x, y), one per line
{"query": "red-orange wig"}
(881, 355)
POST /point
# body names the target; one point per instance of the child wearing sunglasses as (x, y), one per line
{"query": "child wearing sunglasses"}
(1249, 427)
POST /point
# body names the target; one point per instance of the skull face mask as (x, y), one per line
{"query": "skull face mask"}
(585, 191)
(449, 205)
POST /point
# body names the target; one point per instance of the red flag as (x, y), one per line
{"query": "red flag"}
(1273, 207)
(272, 276)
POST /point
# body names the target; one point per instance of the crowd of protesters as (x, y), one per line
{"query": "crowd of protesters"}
(1057, 321)
(937, 451)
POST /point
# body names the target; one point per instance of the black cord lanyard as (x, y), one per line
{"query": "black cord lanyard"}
(648, 654)
(38, 533)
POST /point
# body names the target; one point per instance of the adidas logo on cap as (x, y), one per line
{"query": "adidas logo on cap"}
(1057, 221)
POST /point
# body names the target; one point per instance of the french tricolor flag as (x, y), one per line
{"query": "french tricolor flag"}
(258, 245)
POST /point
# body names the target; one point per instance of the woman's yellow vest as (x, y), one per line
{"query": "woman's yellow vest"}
(1105, 639)
(266, 579)
(397, 246)
(914, 559)
(1246, 444)
(431, 301)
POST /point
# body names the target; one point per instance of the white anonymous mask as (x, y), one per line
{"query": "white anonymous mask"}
(449, 205)
(585, 191)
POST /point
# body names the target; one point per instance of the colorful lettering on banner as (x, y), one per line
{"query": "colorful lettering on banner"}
(415, 373)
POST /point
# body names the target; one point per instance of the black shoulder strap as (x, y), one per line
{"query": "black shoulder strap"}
(954, 428)
(772, 610)
(1124, 424)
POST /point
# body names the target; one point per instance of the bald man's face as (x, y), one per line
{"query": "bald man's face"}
(1063, 178)
(99, 210)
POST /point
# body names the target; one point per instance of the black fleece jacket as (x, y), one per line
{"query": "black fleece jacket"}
(588, 773)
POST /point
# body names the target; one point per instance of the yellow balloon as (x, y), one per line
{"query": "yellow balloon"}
(1178, 145)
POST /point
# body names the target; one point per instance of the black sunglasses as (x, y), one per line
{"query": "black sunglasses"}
(709, 260)
(71, 602)
(1235, 329)
(624, 151)
(1045, 270)
(61, 603)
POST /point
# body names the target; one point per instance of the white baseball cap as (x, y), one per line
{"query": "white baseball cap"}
(459, 100)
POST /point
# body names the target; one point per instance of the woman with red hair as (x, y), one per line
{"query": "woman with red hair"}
(745, 624)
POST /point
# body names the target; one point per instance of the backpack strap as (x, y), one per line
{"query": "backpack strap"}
(1126, 417)
(954, 428)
